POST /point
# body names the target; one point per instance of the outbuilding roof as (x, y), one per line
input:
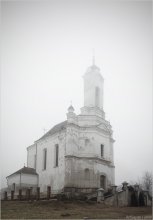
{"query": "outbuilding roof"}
(27, 170)
(57, 128)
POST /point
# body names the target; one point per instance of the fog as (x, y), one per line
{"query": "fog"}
(46, 49)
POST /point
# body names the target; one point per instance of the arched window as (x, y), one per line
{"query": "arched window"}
(102, 181)
(56, 155)
(44, 158)
(102, 150)
(86, 141)
(13, 186)
(87, 174)
(35, 161)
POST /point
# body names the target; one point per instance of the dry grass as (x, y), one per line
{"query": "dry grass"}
(69, 210)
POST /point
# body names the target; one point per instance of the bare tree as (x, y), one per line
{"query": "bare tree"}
(147, 181)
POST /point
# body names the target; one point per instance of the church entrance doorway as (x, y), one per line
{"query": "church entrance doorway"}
(103, 181)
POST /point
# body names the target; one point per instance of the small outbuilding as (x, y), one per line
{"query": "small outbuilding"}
(22, 179)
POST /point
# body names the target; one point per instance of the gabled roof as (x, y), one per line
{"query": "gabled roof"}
(26, 170)
(59, 127)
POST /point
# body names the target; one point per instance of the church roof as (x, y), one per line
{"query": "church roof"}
(26, 170)
(57, 128)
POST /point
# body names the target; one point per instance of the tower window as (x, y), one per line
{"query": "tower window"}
(102, 150)
(56, 155)
(44, 158)
(97, 96)
(87, 174)
(87, 142)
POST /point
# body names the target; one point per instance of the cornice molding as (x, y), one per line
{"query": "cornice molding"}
(102, 160)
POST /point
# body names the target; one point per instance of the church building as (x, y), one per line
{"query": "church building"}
(76, 154)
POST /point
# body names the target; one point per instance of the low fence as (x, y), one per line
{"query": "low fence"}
(28, 194)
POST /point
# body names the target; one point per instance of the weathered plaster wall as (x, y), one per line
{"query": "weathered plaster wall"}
(31, 156)
(83, 151)
(87, 142)
(76, 173)
(29, 179)
(52, 176)
(82, 145)
(22, 180)
(123, 198)
(93, 79)
(111, 201)
(13, 179)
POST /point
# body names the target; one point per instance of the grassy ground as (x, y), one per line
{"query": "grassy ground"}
(69, 210)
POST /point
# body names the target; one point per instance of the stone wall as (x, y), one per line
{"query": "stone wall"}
(129, 196)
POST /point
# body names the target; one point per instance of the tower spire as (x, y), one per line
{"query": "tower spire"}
(93, 56)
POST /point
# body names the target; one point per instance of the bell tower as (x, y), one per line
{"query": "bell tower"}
(93, 90)
(93, 87)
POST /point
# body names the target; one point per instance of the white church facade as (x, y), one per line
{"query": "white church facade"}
(77, 153)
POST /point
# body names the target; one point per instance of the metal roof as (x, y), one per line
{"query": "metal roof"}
(26, 170)
(59, 127)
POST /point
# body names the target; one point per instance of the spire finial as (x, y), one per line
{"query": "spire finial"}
(93, 56)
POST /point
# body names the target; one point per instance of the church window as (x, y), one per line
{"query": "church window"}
(44, 158)
(102, 181)
(102, 150)
(35, 161)
(97, 96)
(86, 142)
(56, 154)
(87, 174)
(13, 186)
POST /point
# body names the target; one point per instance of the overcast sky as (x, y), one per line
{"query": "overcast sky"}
(46, 49)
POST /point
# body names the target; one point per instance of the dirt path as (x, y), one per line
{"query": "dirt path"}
(70, 210)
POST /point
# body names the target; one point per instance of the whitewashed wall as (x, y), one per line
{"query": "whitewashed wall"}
(83, 151)
(52, 176)
(87, 142)
(77, 141)
(75, 172)
(31, 153)
(29, 179)
(13, 179)
(22, 180)
(92, 80)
